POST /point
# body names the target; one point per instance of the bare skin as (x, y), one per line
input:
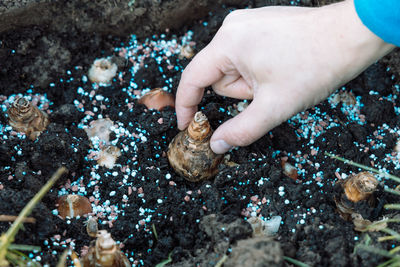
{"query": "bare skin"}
(285, 59)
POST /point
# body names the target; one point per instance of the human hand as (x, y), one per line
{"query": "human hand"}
(286, 59)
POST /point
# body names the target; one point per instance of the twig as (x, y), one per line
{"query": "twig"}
(221, 261)
(11, 218)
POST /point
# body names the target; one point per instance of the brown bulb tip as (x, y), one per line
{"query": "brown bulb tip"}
(73, 206)
(105, 241)
(360, 186)
(157, 99)
(199, 128)
(22, 101)
(21, 107)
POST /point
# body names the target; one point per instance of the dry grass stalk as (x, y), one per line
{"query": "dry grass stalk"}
(7, 238)
(11, 218)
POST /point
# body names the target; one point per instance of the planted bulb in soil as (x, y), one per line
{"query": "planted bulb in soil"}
(355, 189)
(157, 99)
(100, 128)
(105, 253)
(27, 118)
(102, 71)
(190, 154)
(360, 186)
(264, 228)
(73, 206)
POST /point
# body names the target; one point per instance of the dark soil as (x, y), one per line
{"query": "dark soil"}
(146, 207)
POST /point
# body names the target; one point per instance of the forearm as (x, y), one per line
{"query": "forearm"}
(351, 39)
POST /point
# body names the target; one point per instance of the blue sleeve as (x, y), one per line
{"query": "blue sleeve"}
(382, 17)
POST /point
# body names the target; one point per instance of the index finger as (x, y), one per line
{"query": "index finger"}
(201, 72)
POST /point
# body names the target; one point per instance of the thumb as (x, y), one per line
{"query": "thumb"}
(248, 126)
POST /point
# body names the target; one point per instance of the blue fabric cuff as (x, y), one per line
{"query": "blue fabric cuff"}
(382, 17)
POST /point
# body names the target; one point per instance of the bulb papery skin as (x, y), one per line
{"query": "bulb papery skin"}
(27, 118)
(104, 252)
(102, 71)
(360, 186)
(108, 156)
(190, 154)
(73, 205)
(157, 99)
(352, 194)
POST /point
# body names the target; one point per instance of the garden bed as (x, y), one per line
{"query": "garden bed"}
(141, 201)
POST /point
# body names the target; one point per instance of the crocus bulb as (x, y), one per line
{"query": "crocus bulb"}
(157, 99)
(27, 118)
(190, 154)
(102, 71)
(73, 206)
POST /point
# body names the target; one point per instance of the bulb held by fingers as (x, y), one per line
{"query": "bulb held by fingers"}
(190, 154)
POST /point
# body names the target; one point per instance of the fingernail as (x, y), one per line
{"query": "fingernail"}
(179, 126)
(220, 146)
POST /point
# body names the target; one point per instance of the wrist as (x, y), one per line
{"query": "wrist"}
(353, 38)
